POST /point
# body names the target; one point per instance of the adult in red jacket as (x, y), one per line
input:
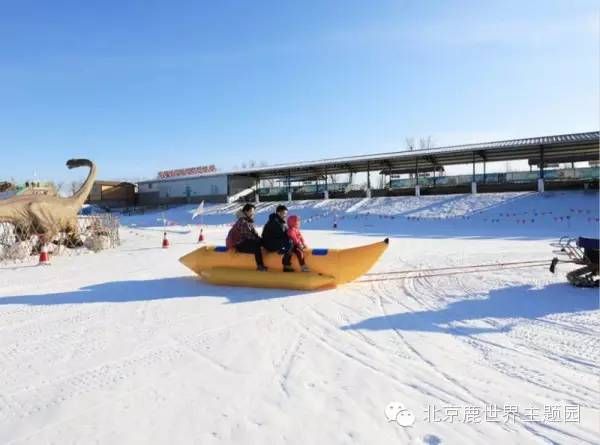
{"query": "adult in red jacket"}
(243, 236)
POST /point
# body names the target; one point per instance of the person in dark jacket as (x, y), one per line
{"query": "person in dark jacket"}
(275, 237)
(243, 236)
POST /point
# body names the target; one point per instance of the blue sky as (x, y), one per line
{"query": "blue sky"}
(144, 86)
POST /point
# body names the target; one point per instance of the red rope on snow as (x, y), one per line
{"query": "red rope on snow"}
(460, 272)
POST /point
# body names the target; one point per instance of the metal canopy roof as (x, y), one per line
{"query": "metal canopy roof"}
(559, 148)
(438, 169)
(577, 146)
(560, 159)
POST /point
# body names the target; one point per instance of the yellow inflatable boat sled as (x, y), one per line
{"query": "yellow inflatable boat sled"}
(329, 267)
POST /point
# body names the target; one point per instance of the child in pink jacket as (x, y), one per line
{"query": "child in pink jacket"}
(297, 240)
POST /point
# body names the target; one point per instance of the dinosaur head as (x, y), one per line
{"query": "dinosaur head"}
(74, 163)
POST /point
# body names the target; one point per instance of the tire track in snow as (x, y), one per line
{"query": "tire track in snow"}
(57, 317)
(12, 318)
(421, 357)
(529, 429)
(573, 390)
(357, 360)
(287, 363)
(422, 387)
(528, 352)
(579, 351)
(526, 355)
(493, 354)
(31, 341)
(33, 400)
(80, 335)
(536, 430)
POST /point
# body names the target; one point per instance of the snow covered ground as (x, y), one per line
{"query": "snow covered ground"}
(127, 346)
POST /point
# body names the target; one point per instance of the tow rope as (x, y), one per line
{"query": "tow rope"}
(451, 270)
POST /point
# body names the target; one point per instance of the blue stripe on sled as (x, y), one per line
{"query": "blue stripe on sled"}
(220, 249)
(320, 252)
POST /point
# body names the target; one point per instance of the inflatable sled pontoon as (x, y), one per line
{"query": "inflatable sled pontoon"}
(329, 267)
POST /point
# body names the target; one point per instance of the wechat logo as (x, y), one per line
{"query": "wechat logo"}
(397, 412)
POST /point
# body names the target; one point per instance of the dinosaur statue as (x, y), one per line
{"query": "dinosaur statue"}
(47, 215)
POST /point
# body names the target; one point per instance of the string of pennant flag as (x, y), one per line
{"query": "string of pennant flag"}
(526, 217)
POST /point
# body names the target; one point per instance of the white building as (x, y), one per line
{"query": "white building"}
(215, 187)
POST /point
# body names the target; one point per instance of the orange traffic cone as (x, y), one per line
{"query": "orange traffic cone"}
(201, 236)
(44, 256)
(165, 241)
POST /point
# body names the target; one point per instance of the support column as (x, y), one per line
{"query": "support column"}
(484, 178)
(326, 193)
(473, 181)
(368, 180)
(289, 186)
(256, 197)
(416, 171)
(417, 186)
(540, 184)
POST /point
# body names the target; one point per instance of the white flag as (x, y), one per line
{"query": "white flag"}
(199, 210)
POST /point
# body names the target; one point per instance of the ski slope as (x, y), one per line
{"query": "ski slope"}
(127, 346)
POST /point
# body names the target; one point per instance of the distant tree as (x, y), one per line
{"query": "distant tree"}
(52, 186)
(61, 187)
(75, 185)
(425, 143)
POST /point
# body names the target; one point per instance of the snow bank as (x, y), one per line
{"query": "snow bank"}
(514, 215)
